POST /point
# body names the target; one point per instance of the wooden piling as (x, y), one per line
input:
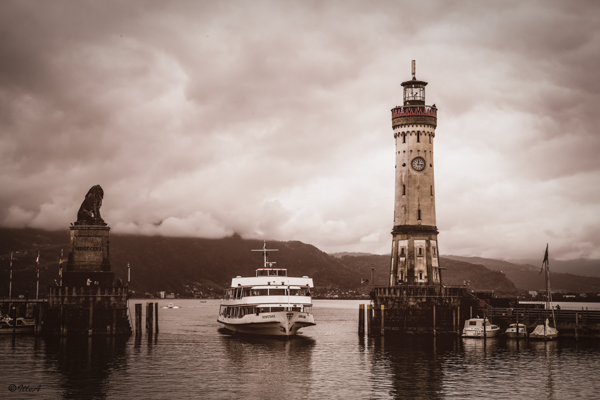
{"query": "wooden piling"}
(484, 325)
(149, 318)
(361, 319)
(369, 317)
(382, 320)
(156, 316)
(138, 319)
(91, 321)
(434, 320)
(453, 320)
(14, 309)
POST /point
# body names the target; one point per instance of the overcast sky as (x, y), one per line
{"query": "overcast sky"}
(271, 119)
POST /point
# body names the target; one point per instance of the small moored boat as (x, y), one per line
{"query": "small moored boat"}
(544, 332)
(474, 327)
(516, 331)
(23, 325)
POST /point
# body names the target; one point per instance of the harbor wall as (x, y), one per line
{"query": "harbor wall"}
(420, 309)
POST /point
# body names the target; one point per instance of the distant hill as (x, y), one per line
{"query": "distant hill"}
(580, 266)
(527, 277)
(167, 263)
(455, 273)
(181, 264)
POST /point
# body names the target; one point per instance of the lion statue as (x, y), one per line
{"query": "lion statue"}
(89, 212)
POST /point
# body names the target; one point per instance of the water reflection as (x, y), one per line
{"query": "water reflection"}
(86, 364)
(268, 367)
(413, 365)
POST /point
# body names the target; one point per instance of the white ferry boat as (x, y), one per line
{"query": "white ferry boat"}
(270, 303)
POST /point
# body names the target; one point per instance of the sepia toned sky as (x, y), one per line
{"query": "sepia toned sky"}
(271, 119)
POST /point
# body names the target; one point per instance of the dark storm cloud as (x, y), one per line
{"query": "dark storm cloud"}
(271, 119)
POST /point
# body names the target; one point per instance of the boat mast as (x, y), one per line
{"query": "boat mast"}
(267, 264)
(548, 291)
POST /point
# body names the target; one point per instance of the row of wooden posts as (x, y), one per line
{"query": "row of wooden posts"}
(369, 312)
(361, 318)
(151, 318)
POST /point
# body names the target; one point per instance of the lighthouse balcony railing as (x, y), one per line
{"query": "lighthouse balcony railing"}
(409, 111)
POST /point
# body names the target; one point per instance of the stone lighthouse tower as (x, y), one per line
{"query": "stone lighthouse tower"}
(414, 236)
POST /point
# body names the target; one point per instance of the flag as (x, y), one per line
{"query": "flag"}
(60, 263)
(37, 262)
(10, 262)
(545, 258)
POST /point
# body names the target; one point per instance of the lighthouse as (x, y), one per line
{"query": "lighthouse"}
(414, 256)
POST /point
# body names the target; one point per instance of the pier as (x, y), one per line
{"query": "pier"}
(420, 309)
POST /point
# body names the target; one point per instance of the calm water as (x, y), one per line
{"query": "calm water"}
(191, 359)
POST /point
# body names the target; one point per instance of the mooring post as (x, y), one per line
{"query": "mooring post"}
(576, 324)
(14, 319)
(91, 321)
(369, 317)
(361, 319)
(518, 326)
(458, 319)
(138, 319)
(434, 320)
(453, 320)
(470, 312)
(156, 316)
(150, 309)
(382, 320)
(484, 324)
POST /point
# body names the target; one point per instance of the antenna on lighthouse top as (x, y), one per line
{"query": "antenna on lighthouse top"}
(414, 69)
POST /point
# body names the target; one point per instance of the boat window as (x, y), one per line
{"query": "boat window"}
(282, 272)
(274, 309)
(472, 322)
(262, 272)
(276, 292)
(260, 292)
(308, 309)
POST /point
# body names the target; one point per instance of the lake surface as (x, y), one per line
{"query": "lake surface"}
(191, 358)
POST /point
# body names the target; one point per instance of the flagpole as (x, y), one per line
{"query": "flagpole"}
(10, 279)
(37, 272)
(128, 274)
(60, 266)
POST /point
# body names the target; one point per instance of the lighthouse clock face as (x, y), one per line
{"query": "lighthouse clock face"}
(418, 163)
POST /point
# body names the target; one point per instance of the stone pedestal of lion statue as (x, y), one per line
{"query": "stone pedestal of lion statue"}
(88, 302)
(88, 263)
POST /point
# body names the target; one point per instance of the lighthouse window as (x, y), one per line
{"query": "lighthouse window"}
(429, 138)
(419, 214)
(403, 137)
(403, 190)
(418, 137)
(402, 252)
(420, 276)
(431, 189)
(420, 251)
(434, 250)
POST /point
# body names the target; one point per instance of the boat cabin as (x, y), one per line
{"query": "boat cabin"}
(271, 272)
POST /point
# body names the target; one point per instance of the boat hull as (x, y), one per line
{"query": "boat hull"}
(478, 333)
(281, 323)
(23, 326)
